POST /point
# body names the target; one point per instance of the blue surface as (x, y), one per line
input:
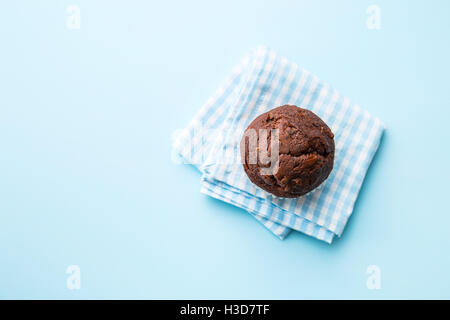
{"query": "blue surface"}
(86, 176)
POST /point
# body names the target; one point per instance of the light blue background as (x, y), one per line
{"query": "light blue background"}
(86, 176)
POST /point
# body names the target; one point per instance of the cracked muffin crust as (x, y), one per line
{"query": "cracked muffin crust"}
(306, 151)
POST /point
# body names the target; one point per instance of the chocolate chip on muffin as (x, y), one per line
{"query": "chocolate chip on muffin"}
(304, 147)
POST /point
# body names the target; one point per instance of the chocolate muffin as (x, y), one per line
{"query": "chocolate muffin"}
(305, 151)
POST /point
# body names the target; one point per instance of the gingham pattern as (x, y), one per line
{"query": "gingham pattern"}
(262, 81)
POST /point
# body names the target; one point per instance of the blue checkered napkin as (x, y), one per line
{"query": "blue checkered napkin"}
(263, 81)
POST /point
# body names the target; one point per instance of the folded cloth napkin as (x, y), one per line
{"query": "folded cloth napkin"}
(261, 82)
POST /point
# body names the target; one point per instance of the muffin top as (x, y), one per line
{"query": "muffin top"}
(305, 156)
